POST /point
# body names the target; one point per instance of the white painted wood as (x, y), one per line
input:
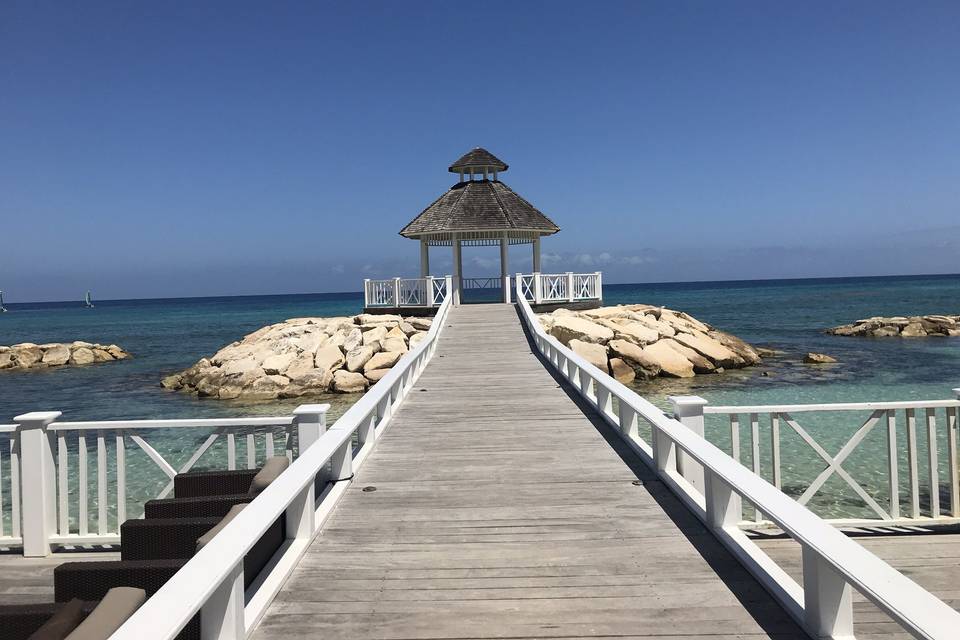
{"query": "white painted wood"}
(63, 487)
(828, 598)
(735, 436)
(121, 454)
(231, 450)
(251, 451)
(457, 271)
(221, 617)
(627, 422)
(933, 463)
(724, 508)
(101, 483)
(536, 254)
(15, 494)
(38, 486)
(209, 580)
(837, 563)
(341, 464)
(424, 258)
(913, 464)
(299, 515)
(311, 423)
(952, 461)
(840, 406)
(83, 485)
(775, 449)
(689, 411)
(893, 464)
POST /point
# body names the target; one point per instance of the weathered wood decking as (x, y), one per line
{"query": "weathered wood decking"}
(502, 509)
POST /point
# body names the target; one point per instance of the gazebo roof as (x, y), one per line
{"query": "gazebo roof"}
(478, 158)
(481, 205)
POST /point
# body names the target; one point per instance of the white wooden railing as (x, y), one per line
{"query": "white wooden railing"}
(547, 288)
(212, 581)
(9, 486)
(928, 473)
(833, 564)
(426, 292)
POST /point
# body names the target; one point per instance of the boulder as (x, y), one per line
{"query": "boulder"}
(267, 387)
(885, 332)
(595, 354)
(57, 355)
(382, 360)
(818, 358)
(420, 324)
(633, 355)
(701, 364)
(374, 335)
(278, 363)
(671, 362)
(407, 328)
(638, 333)
(374, 318)
(329, 358)
(354, 339)
(239, 367)
(27, 354)
(417, 338)
(712, 349)
(6, 360)
(376, 375)
(173, 381)
(394, 345)
(621, 371)
(358, 357)
(913, 330)
(567, 328)
(301, 366)
(396, 332)
(747, 353)
(349, 382)
(82, 355)
(101, 355)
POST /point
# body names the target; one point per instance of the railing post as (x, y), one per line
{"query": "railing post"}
(598, 283)
(396, 292)
(537, 288)
(827, 598)
(37, 482)
(570, 296)
(366, 292)
(506, 288)
(518, 286)
(221, 617)
(664, 450)
(449, 286)
(724, 507)
(341, 463)
(429, 298)
(689, 411)
(311, 422)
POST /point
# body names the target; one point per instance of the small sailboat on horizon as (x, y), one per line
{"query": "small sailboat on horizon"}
(87, 302)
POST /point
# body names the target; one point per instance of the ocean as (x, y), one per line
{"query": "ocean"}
(166, 335)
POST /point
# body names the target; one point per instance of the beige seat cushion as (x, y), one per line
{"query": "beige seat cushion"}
(205, 539)
(116, 607)
(271, 470)
(66, 619)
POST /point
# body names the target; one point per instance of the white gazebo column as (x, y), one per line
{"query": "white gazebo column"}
(505, 268)
(457, 271)
(536, 254)
(424, 258)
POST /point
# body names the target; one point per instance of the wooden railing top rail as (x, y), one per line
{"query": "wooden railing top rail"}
(7, 428)
(211, 573)
(914, 608)
(188, 423)
(836, 406)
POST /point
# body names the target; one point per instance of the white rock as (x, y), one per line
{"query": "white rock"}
(329, 358)
(382, 360)
(277, 363)
(83, 355)
(395, 345)
(567, 328)
(417, 338)
(374, 335)
(358, 357)
(349, 382)
(595, 354)
(354, 340)
(637, 333)
(56, 355)
(716, 352)
(423, 324)
(670, 361)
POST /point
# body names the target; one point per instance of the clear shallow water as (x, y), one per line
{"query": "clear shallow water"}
(790, 316)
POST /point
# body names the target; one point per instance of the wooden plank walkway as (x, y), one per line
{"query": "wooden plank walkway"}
(929, 557)
(503, 508)
(30, 580)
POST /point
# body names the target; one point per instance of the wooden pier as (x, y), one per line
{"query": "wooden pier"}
(497, 506)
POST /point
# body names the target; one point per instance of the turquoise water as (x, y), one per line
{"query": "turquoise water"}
(790, 316)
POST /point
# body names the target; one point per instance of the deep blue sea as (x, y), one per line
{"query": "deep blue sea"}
(166, 335)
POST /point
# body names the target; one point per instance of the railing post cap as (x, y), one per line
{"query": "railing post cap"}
(308, 409)
(687, 402)
(38, 417)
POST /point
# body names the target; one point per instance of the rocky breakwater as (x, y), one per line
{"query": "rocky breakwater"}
(640, 341)
(304, 356)
(28, 355)
(901, 326)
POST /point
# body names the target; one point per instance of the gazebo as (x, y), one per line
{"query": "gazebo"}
(479, 210)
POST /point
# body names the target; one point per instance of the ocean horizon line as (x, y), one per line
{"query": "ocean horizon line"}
(359, 293)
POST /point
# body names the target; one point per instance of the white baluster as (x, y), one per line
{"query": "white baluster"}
(893, 464)
(933, 463)
(912, 459)
(570, 296)
(38, 488)
(101, 484)
(775, 448)
(952, 416)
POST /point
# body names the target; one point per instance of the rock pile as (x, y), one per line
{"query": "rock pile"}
(901, 326)
(304, 356)
(642, 341)
(28, 355)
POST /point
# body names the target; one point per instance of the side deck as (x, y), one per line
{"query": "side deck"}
(498, 506)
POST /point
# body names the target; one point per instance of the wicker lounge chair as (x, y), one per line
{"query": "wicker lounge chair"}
(78, 619)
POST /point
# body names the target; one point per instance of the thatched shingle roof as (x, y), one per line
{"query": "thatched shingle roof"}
(482, 205)
(477, 159)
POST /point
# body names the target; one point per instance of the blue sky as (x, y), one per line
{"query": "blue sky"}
(178, 148)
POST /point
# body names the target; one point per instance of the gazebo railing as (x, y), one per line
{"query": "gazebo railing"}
(547, 288)
(426, 292)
